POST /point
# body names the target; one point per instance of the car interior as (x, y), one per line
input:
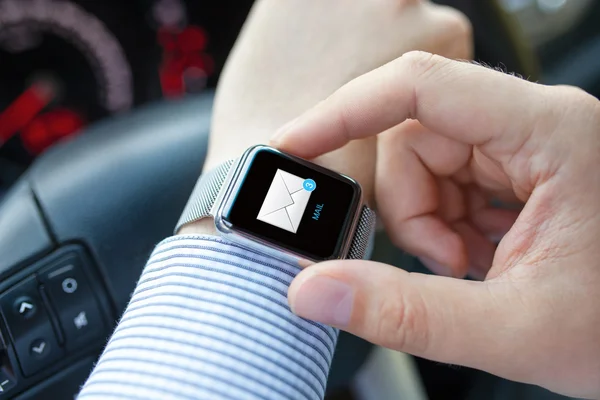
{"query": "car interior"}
(105, 111)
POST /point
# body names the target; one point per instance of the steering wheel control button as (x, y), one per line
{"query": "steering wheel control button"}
(69, 285)
(20, 308)
(25, 307)
(73, 301)
(7, 382)
(30, 327)
(81, 321)
(64, 385)
(39, 348)
(6, 385)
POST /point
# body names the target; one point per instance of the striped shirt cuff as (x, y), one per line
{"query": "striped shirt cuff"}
(210, 320)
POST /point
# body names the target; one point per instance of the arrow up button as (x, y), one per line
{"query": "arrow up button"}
(25, 306)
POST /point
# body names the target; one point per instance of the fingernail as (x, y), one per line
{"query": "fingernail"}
(436, 267)
(275, 139)
(324, 299)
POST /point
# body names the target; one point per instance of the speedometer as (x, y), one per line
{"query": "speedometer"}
(65, 64)
(24, 23)
(80, 66)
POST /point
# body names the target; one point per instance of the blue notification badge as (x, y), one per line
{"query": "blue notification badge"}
(309, 185)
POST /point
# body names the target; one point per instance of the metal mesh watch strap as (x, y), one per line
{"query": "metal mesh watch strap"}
(365, 230)
(204, 195)
(207, 190)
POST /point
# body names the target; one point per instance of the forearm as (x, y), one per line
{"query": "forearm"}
(210, 319)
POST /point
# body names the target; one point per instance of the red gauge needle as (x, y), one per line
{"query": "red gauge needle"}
(24, 109)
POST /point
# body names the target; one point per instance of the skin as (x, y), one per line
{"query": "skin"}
(475, 134)
(292, 54)
(450, 136)
(310, 49)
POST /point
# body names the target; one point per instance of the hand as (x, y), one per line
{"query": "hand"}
(292, 54)
(536, 318)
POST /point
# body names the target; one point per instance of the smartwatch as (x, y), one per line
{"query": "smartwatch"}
(284, 206)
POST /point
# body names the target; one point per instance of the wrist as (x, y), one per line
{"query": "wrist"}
(205, 226)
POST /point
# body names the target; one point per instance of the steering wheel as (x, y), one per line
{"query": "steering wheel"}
(77, 229)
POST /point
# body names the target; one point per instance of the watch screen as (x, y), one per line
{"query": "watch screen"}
(298, 206)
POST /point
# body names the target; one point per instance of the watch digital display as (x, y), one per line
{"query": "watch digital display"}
(294, 204)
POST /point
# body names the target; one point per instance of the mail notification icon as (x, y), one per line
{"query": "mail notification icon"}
(285, 202)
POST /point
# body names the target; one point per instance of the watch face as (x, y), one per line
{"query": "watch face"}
(295, 204)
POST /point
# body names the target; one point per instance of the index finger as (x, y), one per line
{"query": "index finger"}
(466, 102)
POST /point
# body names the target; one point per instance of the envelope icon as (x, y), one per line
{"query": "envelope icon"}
(285, 202)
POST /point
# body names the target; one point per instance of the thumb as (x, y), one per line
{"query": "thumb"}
(442, 319)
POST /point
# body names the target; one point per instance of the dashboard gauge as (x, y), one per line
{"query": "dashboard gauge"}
(65, 64)
(169, 13)
(185, 66)
(60, 66)
(25, 25)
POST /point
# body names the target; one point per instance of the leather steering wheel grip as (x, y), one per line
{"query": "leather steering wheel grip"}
(118, 189)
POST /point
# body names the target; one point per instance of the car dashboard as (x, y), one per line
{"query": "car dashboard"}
(67, 64)
(104, 119)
